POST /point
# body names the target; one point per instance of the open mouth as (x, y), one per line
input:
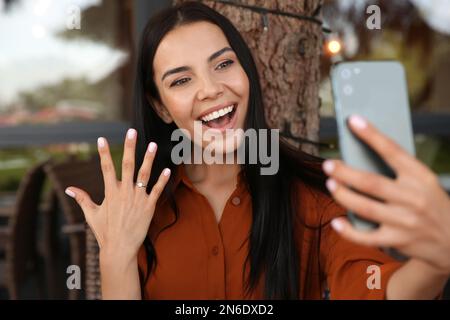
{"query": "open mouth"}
(220, 118)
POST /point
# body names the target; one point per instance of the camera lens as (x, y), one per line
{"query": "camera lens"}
(348, 90)
(346, 74)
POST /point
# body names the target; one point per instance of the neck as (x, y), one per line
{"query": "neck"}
(213, 174)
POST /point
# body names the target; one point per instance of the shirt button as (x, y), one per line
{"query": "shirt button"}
(215, 250)
(236, 201)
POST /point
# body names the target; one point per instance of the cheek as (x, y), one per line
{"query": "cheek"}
(179, 107)
(241, 87)
(238, 82)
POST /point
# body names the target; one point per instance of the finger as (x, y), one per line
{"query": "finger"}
(376, 185)
(83, 199)
(87, 206)
(394, 155)
(364, 206)
(159, 187)
(107, 165)
(128, 157)
(374, 238)
(146, 168)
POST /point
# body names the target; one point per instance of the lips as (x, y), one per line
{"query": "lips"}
(217, 114)
(216, 108)
(220, 118)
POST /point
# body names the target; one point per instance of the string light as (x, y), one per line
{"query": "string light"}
(334, 46)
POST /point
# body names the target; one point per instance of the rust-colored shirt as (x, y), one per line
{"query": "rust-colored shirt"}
(198, 258)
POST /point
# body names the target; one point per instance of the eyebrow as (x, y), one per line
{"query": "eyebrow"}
(185, 68)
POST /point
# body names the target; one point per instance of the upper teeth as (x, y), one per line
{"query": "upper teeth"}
(217, 114)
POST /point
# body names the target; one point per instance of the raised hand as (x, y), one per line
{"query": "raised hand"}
(120, 223)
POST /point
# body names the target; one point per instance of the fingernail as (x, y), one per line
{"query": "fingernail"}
(331, 185)
(70, 193)
(166, 172)
(101, 142)
(358, 122)
(337, 225)
(152, 147)
(328, 166)
(131, 134)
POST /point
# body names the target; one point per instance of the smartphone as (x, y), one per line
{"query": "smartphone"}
(376, 90)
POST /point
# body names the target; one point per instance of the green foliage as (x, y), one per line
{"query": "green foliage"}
(25, 158)
(432, 151)
(49, 95)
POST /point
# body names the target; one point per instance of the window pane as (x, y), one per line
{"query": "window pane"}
(61, 61)
(415, 32)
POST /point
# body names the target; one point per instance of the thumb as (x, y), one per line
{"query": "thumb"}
(82, 198)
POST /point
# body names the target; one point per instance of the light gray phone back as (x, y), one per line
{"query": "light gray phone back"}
(377, 91)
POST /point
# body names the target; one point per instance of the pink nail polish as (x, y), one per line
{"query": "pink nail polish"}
(131, 133)
(328, 166)
(101, 142)
(70, 193)
(152, 147)
(358, 122)
(166, 172)
(337, 225)
(331, 185)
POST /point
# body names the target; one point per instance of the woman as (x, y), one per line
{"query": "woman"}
(224, 231)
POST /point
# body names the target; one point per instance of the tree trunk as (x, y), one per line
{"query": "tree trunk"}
(287, 56)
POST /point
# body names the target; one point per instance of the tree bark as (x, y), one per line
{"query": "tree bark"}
(287, 56)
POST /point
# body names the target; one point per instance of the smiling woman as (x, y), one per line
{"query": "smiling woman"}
(188, 88)
(225, 231)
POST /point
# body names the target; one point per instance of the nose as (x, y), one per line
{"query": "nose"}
(210, 88)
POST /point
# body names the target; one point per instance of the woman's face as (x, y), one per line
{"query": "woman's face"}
(200, 81)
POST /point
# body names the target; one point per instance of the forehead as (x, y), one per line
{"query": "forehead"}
(187, 43)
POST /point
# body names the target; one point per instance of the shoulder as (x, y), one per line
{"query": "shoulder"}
(314, 205)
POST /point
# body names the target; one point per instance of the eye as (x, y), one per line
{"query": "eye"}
(179, 82)
(225, 64)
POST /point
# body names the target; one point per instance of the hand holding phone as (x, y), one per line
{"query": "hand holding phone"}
(377, 91)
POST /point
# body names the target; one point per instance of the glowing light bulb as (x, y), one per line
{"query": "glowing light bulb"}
(334, 46)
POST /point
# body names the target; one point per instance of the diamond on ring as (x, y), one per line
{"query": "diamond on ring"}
(141, 185)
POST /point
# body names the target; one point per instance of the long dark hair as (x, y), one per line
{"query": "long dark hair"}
(272, 245)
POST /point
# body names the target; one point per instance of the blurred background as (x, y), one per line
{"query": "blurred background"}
(66, 78)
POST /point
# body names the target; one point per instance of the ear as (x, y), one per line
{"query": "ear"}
(161, 110)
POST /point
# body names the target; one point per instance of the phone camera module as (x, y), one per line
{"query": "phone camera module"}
(348, 90)
(346, 74)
